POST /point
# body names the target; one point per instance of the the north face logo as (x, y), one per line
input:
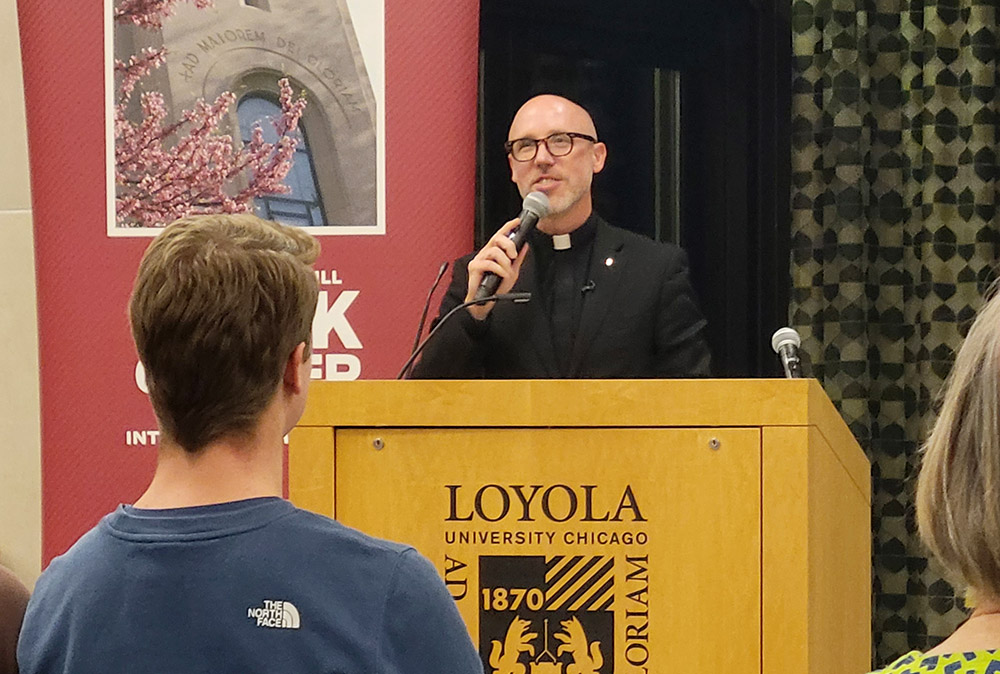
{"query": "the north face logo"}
(275, 613)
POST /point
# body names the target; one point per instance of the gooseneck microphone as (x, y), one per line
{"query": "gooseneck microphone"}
(534, 207)
(785, 342)
(502, 297)
(427, 304)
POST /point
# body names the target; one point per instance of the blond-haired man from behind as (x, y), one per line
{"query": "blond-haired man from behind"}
(211, 570)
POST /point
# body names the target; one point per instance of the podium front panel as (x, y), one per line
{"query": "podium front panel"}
(619, 549)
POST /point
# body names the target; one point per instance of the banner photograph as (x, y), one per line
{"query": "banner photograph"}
(239, 105)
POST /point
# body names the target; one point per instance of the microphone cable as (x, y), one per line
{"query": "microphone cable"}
(502, 297)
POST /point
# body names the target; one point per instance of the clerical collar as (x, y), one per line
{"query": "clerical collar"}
(579, 237)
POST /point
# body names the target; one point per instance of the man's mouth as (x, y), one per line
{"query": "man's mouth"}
(545, 183)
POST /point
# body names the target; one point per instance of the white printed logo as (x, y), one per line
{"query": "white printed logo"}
(275, 613)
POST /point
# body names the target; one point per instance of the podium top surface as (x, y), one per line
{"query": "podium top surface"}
(573, 403)
(595, 403)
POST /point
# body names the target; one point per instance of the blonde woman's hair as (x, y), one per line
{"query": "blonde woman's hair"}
(958, 491)
(220, 302)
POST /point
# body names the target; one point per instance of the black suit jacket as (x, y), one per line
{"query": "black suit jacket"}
(639, 320)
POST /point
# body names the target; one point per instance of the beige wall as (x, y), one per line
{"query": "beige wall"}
(20, 442)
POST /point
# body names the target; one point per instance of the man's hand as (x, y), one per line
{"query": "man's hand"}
(500, 257)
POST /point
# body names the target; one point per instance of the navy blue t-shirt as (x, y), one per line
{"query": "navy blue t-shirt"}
(249, 586)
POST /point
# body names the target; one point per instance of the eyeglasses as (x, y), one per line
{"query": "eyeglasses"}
(558, 145)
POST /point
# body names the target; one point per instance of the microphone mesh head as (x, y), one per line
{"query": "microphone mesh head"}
(537, 203)
(784, 336)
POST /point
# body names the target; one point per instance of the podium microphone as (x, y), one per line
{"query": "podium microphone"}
(785, 342)
(534, 207)
(427, 304)
(502, 297)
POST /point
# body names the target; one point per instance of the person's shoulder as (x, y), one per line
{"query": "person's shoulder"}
(641, 242)
(314, 536)
(643, 254)
(459, 270)
(901, 664)
(85, 549)
(914, 662)
(464, 260)
(77, 567)
(320, 530)
(311, 529)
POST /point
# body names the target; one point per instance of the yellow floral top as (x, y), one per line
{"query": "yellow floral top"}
(976, 662)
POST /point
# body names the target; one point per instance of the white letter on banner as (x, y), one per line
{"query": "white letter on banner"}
(342, 367)
(334, 319)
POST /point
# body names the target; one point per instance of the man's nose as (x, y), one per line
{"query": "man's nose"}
(542, 154)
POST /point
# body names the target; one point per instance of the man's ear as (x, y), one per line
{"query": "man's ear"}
(600, 156)
(296, 377)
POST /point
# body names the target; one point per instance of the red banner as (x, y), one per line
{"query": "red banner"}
(97, 448)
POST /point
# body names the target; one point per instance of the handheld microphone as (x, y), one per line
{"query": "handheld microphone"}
(534, 207)
(785, 342)
(502, 297)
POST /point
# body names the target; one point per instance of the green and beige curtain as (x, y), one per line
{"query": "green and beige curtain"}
(895, 239)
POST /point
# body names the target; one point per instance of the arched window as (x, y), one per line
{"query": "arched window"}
(302, 206)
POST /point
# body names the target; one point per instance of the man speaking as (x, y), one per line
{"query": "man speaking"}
(606, 303)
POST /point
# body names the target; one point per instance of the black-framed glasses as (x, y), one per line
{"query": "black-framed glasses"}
(558, 144)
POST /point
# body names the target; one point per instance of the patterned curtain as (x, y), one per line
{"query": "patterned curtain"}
(895, 238)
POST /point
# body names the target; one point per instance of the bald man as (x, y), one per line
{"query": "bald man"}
(606, 303)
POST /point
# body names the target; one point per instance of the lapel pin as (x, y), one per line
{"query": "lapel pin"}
(610, 261)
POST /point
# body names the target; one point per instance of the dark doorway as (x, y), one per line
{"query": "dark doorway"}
(692, 99)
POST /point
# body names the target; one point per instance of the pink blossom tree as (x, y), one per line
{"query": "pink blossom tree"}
(165, 169)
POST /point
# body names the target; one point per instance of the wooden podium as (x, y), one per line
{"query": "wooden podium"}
(707, 527)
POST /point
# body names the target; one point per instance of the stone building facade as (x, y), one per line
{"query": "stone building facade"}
(246, 46)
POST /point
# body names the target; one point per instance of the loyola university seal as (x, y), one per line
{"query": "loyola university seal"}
(547, 614)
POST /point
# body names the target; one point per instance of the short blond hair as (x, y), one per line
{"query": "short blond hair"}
(220, 302)
(958, 491)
